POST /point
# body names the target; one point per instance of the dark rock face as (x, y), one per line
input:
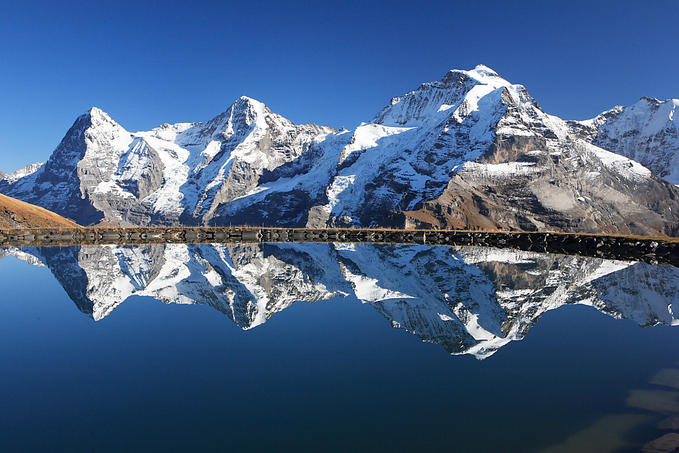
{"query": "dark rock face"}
(58, 183)
(468, 151)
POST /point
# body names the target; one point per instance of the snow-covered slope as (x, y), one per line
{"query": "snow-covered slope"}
(181, 172)
(470, 150)
(410, 150)
(647, 132)
(21, 173)
(469, 300)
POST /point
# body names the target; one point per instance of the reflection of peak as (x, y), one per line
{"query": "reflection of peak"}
(242, 281)
(468, 300)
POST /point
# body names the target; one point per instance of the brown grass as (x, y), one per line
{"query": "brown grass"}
(18, 214)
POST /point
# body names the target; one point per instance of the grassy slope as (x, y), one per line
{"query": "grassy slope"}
(18, 214)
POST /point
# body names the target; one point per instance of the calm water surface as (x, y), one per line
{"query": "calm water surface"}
(317, 347)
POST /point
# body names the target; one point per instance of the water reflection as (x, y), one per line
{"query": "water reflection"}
(469, 300)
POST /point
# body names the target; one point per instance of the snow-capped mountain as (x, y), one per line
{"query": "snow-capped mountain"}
(102, 171)
(534, 173)
(647, 132)
(21, 173)
(470, 150)
(469, 300)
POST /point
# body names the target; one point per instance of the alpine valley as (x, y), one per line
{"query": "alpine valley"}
(471, 150)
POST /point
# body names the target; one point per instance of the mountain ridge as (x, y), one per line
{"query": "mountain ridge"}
(470, 150)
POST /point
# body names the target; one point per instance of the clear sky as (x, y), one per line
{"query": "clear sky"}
(334, 63)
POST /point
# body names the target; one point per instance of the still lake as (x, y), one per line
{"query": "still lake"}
(327, 347)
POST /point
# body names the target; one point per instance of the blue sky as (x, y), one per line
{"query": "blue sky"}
(147, 63)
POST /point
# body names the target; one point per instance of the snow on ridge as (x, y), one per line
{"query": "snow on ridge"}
(648, 116)
(501, 170)
(646, 131)
(432, 99)
(625, 166)
(367, 136)
(482, 73)
(22, 172)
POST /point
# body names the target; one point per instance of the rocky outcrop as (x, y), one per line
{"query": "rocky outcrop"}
(580, 189)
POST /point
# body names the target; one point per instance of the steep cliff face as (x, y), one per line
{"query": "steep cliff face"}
(469, 300)
(471, 150)
(74, 179)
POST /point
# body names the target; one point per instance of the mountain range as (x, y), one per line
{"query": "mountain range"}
(471, 150)
(469, 300)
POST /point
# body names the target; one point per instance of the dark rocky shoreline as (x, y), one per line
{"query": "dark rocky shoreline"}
(629, 248)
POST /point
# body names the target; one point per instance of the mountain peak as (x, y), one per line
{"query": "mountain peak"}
(669, 104)
(95, 116)
(481, 74)
(480, 71)
(247, 107)
(649, 99)
(431, 98)
(248, 103)
(249, 100)
(96, 112)
(242, 113)
(484, 68)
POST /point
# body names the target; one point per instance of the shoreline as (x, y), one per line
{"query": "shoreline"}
(654, 250)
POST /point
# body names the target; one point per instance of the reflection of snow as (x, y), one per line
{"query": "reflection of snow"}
(470, 300)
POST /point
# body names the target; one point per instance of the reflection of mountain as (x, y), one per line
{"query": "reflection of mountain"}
(469, 300)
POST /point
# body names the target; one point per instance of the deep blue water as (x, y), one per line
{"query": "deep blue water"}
(331, 375)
